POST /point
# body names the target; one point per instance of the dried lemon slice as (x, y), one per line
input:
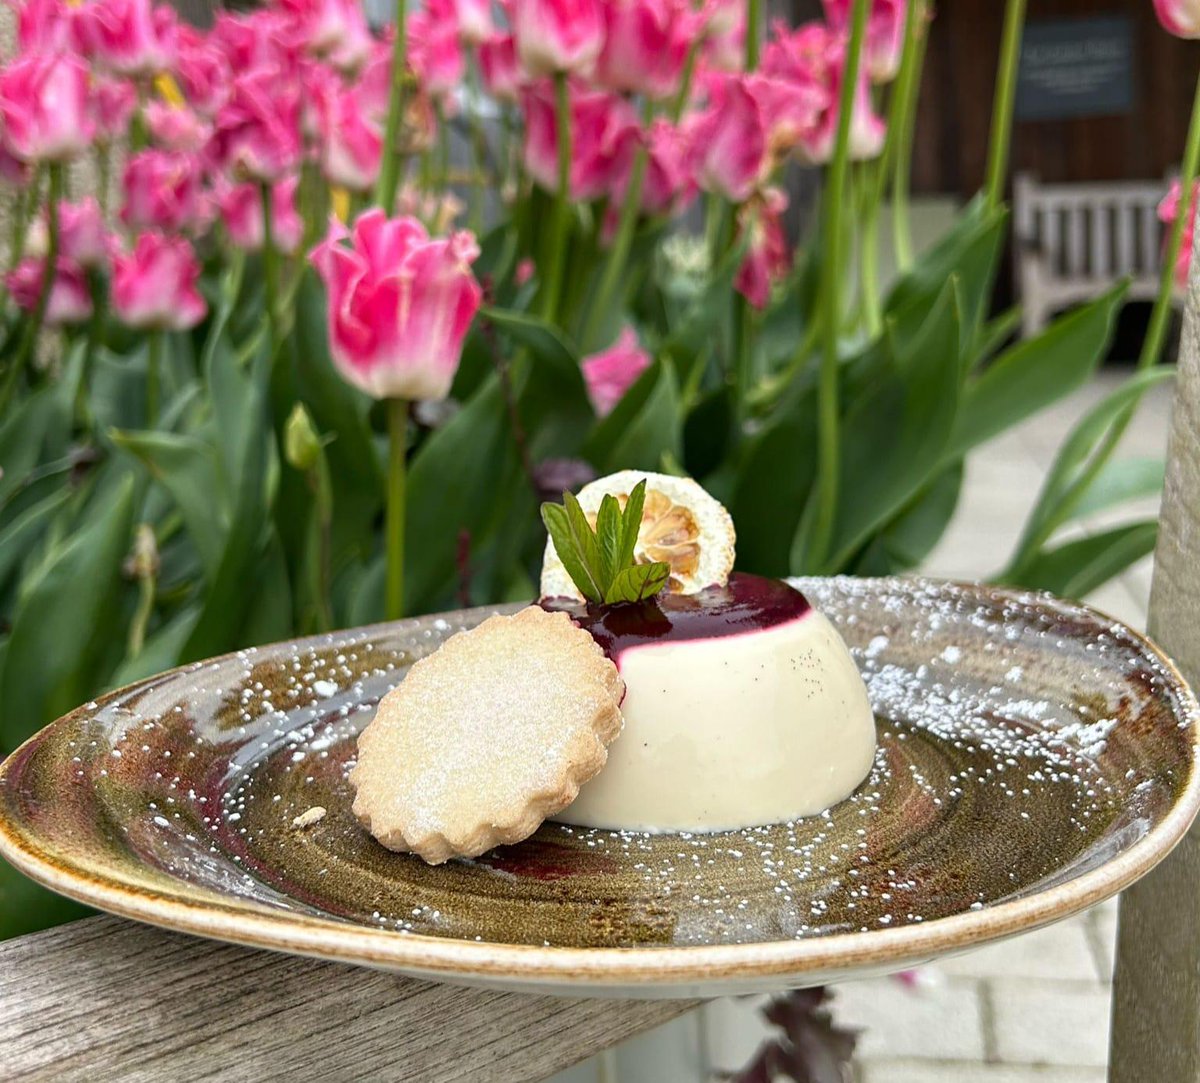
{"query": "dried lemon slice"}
(681, 526)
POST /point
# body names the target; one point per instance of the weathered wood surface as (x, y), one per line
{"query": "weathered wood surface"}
(107, 999)
(1156, 998)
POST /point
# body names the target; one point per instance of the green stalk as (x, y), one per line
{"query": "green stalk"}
(745, 318)
(270, 268)
(828, 422)
(396, 494)
(908, 90)
(868, 254)
(552, 283)
(34, 326)
(323, 497)
(103, 173)
(154, 351)
(619, 253)
(389, 170)
(95, 332)
(478, 146)
(685, 81)
(753, 24)
(1002, 108)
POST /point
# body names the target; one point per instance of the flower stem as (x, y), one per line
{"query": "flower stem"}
(389, 171)
(103, 173)
(1002, 108)
(154, 352)
(1160, 316)
(552, 283)
(619, 253)
(685, 81)
(323, 493)
(95, 332)
(753, 22)
(828, 422)
(396, 494)
(34, 325)
(270, 267)
(479, 146)
(901, 220)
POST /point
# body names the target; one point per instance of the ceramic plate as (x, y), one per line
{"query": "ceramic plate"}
(1034, 757)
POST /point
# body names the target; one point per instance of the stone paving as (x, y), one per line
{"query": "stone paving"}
(1031, 1009)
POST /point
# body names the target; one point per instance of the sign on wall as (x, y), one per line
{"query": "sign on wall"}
(1076, 68)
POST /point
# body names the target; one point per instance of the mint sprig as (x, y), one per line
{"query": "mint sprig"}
(601, 561)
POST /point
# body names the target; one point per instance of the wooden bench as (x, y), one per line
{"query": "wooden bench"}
(1073, 241)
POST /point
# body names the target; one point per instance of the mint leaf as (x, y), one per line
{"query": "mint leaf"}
(637, 583)
(600, 561)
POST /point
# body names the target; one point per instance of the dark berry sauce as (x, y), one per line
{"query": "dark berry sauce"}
(747, 603)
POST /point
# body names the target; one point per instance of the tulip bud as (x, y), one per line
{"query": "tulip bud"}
(1179, 17)
(301, 444)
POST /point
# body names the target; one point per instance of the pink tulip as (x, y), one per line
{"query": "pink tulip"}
(724, 23)
(70, 299)
(175, 127)
(729, 139)
(1168, 211)
(351, 145)
(472, 18)
(600, 147)
(83, 238)
(767, 257)
(262, 39)
(335, 30)
(610, 373)
(44, 107)
(163, 190)
(112, 104)
(435, 53)
(257, 133)
(557, 35)
(241, 210)
(885, 34)
(646, 43)
(1179, 17)
(502, 75)
(667, 182)
(44, 26)
(202, 72)
(154, 286)
(400, 304)
(129, 37)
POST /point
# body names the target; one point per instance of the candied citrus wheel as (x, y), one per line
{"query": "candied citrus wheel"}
(681, 526)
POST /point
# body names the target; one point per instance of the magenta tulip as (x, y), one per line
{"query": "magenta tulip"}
(129, 37)
(241, 210)
(502, 75)
(176, 127)
(435, 54)
(335, 30)
(610, 373)
(767, 258)
(557, 35)
(351, 144)
(400, 304)
(202, 72)
(44, 26)
(70, 299)
(885, 34)
(729, 140)
(112, 102)
(83, 239)
(1168, 211)
(471, 18)
(154, 286)
(163, 190)
(44, 108)
(1179, 17)
(667, 183)
(257, 133)
(646, 44)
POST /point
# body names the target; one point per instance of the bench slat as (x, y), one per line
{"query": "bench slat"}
(105, 999)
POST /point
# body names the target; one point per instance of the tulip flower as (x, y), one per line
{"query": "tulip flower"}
(1179, 17)
(175, 127)
(724, 29)
(112, 104)
(729, 139)
(1168, 212)
(44, 108)
(667, 184)
(557, 35)
(471, 18)
(202, 72)
(70, 299)
(400, 303)
(163, 190)
(335, 30)
(600, 148)
(83, 239)
(767, 257)
(257, 132)
(241, 210)
(435, 54)
(502, 75)
(610, 373)
(128, 37)
(885, 34)
(646, 45)
(154, 286)
(44, 26)
(351, 145)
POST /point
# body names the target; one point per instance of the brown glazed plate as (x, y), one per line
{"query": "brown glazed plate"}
(1034, 758)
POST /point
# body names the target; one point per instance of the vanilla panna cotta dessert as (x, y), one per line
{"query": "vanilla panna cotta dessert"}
(742, 704)
(650, 689)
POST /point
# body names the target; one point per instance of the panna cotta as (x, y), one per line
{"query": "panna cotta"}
(742, 707)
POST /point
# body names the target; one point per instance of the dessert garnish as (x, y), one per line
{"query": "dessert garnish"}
(598, 554)
(487, 736)
(681, 526)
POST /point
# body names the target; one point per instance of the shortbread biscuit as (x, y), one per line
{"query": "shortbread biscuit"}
(488, 736)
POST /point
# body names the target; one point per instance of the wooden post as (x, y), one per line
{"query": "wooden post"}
(1156, 992)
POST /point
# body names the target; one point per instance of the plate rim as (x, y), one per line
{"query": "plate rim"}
(254, 925)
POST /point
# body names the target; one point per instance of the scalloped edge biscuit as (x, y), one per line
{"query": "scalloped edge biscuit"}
(487, 737)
